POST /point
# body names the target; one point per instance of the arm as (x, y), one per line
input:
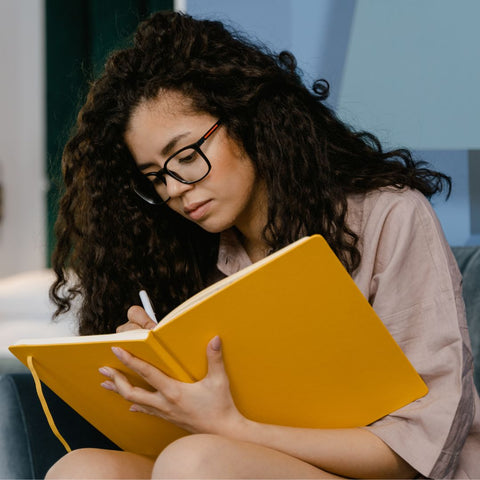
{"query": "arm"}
(413, 283)
(207, 407)
(353, 452)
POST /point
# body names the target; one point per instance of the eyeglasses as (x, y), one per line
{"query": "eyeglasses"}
(188, 165)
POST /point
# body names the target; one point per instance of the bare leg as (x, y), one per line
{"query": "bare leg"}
(212, 456)
(88, 463)
(194, 456)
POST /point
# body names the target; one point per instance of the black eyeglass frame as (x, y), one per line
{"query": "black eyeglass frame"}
(160, 174)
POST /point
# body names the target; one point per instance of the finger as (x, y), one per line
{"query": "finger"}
(119, 383)
(152, 375)
(138, 315)
(128, 326)
(215, 357)
(146, 409)
(137, 318)
(108, 385)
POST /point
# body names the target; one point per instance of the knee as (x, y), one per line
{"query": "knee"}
(192, 456)
(72, 465)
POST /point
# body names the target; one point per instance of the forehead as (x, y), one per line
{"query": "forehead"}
(156, 122)
(171, 110)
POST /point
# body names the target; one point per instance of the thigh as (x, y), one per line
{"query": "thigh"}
(212, 456)
(88, 463)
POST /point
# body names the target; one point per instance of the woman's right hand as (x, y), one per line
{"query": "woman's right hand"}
(137, 318)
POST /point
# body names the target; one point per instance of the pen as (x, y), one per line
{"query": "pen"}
(147, 305)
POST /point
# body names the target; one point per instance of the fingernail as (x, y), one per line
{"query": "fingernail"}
(134, 408)
(118, 352)
(105, 371)
(108, 385)
(216, 343)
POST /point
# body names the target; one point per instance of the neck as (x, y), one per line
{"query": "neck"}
(251, 226)
(253, 241)
(256, 248)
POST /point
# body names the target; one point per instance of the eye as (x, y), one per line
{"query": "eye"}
(188, 156)
(156, 178)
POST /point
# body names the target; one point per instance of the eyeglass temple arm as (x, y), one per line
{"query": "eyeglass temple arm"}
(212, 129)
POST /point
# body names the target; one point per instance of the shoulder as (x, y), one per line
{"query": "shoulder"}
(379, 205)
(401, 236)
(394, 217)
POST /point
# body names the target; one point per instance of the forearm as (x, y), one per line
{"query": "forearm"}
(353, 452)
(207, 406)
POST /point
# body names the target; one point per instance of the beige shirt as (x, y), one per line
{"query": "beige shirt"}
(410, 277)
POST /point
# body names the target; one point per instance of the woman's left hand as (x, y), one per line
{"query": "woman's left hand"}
(205, 406)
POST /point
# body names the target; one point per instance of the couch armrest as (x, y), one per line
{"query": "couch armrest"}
(15, 455)
(27, 445)
(468, 259)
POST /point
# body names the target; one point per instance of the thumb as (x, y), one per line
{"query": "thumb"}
(215, 357)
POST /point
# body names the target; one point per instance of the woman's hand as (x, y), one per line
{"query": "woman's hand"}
(137, 318)
(205, 406)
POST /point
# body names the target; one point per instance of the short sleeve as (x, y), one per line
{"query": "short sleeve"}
(410, 277)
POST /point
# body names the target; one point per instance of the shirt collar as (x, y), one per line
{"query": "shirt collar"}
(232, 257)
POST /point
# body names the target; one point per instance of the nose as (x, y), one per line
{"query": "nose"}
(176, 188)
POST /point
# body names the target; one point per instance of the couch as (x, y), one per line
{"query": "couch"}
(28, 447)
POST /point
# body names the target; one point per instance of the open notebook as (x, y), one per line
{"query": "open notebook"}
(301, 345)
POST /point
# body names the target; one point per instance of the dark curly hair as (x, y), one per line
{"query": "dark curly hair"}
(310, 161)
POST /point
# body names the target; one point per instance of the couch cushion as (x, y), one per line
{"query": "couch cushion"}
(27, 445)
(468, 259)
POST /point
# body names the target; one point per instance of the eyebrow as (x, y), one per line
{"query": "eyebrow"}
(165, 150)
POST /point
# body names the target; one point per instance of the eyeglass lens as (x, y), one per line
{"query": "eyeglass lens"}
(188, 166)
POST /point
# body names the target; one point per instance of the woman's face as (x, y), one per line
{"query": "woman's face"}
(230, 195)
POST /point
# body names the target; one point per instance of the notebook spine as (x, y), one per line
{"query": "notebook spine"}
(178, 370)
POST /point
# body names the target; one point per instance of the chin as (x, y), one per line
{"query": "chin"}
(214, 227)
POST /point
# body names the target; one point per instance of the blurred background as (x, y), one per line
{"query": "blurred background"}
(407, 70)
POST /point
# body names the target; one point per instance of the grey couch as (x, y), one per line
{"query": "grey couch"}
(28, 447)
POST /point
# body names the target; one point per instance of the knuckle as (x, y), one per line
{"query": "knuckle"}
(144, 369)
(134, 310)
(129, 394)
(172, 394)
(134, 313)
(137, 316)
(218, 382)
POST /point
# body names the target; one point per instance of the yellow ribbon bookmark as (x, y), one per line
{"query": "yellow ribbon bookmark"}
(46, 410)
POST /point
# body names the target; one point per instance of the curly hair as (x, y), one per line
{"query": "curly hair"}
(310, 161)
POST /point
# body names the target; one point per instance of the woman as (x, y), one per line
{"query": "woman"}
(198, 153)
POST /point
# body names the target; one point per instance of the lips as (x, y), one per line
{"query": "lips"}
(196, 210)
(193, 206)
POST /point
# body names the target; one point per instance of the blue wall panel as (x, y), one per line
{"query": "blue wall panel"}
(383, 46)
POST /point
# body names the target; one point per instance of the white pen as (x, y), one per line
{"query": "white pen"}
(147, 305)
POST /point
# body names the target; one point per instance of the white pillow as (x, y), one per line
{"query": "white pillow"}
(26, 295)
(26, 310)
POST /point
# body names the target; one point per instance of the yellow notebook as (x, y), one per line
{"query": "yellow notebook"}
(301, 345)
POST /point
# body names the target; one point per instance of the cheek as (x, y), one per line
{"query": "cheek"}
(235, 178)
(243, 184)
